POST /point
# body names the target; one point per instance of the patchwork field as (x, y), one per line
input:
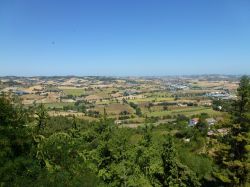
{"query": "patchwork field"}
(131, 100)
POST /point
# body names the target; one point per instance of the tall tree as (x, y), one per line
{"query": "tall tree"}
(17, 165)
(234, 156)
(42, 116)
(175, 173)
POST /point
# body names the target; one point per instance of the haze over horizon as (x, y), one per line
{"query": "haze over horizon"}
(124, 38)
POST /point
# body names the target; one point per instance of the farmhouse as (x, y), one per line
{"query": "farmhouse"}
(118, 122)
(223, 131)
(211, 133)
(193, 122)
(211, 121)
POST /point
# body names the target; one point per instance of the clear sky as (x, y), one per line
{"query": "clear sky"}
(124, 37)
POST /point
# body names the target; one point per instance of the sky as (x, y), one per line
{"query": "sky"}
(124, 37)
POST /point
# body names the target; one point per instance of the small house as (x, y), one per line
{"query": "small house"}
(193, 122)
(211, 121)
(118, 122)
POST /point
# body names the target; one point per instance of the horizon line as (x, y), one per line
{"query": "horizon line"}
(208, 74)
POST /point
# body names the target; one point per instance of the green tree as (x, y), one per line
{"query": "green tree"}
(42, 117)
(234, 153)
(174, 173)
(17, 165)
(74, 124)
(138, 111)
(202, 126)
(64, 161)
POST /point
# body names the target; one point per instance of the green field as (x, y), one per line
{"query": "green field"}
(186, 111)
(74, 92)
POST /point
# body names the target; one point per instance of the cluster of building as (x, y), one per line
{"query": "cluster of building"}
(220, 95)
(195, 121)
(174, 87)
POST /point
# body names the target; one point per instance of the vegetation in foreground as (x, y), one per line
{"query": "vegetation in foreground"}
(38, 150)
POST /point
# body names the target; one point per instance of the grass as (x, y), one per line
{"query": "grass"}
(102, 94)
(74, 91)
(186, 111)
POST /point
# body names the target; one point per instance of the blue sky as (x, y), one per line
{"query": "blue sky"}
(124, 37)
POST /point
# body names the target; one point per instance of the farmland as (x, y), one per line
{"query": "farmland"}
(126, 100)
